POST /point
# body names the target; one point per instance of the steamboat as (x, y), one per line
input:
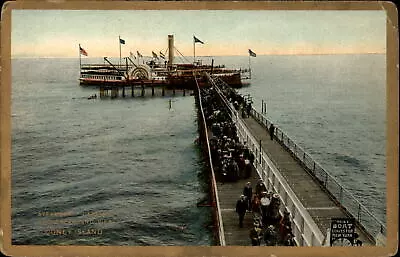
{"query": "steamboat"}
(157, 71)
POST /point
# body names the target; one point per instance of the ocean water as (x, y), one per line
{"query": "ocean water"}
(126, 171)
(128, 167)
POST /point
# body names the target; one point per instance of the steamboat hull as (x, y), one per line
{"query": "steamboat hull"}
(179, 82)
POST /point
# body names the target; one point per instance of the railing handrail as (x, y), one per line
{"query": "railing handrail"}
(296, 202)
(326, 172)
(214, 183)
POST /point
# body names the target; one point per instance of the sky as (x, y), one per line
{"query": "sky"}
(57, 33)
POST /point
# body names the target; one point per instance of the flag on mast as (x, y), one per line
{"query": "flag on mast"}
(82, 51)
(196, 40)
(121, 41)
(252, 54)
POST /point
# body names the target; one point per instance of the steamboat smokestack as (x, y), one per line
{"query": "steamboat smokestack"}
(170, 50)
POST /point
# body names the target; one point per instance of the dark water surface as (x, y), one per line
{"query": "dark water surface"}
(126, 171)
(132, 159)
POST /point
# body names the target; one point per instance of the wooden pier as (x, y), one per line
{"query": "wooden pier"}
(141, 91)
(313, 197)
(229, 193)
(318, 206)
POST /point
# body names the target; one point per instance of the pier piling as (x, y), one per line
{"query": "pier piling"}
(262, 106)
(114, 92)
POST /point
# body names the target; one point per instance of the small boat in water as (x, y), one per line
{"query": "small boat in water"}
(92, 97)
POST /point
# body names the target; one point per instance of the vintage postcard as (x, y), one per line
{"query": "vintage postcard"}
(217, 128)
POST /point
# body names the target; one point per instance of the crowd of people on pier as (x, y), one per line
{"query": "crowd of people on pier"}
(233, 161)
(268, 224)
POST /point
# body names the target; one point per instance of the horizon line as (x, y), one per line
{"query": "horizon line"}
(207, 56)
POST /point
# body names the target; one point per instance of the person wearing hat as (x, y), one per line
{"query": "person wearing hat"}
(233, 170)
(270, 236)
(274, 214)
(255, 234)
(248, 192)
(260, 187)
(289, 240)
(247, 168)
(241, 207)
(265, 203)
(285, 226)
(271, 131)
(243, 112)
(256, 204)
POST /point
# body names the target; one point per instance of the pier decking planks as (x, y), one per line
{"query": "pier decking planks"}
(228, 194)
(320, 206)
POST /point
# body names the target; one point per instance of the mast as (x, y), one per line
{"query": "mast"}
(195, 40)
(249, 68)
(80, 61)
(119, 41)
(170, 51)
(194, 50)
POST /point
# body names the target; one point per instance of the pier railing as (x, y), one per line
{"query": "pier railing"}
(214, 191)
(304, 228)
(341, 195)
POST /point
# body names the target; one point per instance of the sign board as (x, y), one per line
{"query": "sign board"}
(342, 228)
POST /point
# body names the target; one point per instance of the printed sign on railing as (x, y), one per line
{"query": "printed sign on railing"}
(342, 228)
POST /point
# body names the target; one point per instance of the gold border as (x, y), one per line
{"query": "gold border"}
(391, 143)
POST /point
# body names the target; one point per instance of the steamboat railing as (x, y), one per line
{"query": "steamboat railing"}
(305, 230)
(367, 221)
(214, 191)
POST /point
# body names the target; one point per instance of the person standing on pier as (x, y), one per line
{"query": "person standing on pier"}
(271, 131)
(241, 207)
(247, 168)
(255, 235)
(270, 236)
(248, 192)
(285, 226)
(265, 202)
(256, 204)
(248, 107)
(235, 169)
(243, 112)
(260, 187)
(274, 215)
